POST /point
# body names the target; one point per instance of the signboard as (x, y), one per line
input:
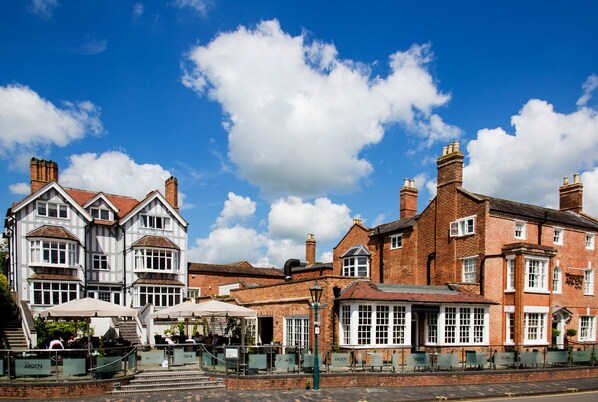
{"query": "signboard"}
(33, 366)
(232, 353)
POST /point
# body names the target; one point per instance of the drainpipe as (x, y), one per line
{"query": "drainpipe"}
(381, 268)
(124, 266)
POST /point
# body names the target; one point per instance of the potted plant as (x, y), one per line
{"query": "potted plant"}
(555, 335)
(569, 333)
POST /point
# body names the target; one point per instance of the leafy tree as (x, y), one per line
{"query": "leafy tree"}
(4, 256)
(50, 330)
(7, 304)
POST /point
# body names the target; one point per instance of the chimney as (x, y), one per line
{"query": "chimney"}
(310, 249)
(42, 172)
(571, 195)
(357, 221)
(171, 188)
(408, 201)
(450, 166)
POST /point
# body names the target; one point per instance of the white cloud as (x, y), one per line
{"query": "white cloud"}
(236, 207)
(588, 88)
(138, 10)
(20, 188)
(43, 8)
(590, 191)
(299, 116)
(114, 173)
(291, 218)
(90, 47)
(225, 245)
(199, 6)
(30, 125)
(530, 164)
(326, 256)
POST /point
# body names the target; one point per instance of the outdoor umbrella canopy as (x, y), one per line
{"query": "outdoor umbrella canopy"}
(211, 308)
(87, 307)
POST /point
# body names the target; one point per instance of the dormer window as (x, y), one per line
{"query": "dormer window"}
(520, 230)
(356, 262)
(463, 227)
(155, 222)
(52, 209)
(101, 213)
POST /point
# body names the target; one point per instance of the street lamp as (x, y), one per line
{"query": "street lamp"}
(316, 295)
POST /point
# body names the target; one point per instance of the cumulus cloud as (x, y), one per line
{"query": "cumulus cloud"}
(43, 8)
(229, 244)
(298, 116)
(115, 173)
(235, 208)
(529, 164)
(588, 89)
(30, 124)
(20, 188)
(199, 6)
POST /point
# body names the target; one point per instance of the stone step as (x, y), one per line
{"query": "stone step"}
(175, 380)
(151, 386)
(123, 390)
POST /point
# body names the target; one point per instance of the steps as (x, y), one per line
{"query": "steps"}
(128, 331)
(12, 334)
(167, 381)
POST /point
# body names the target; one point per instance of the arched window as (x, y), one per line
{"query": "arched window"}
(557, 279)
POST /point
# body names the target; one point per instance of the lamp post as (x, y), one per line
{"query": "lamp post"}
(316, 295)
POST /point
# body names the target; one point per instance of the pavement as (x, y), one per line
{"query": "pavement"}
(395, 394)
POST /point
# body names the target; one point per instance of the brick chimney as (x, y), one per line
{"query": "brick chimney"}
(310, 249)
(408, 199)
(42, 172)
(171, 188)
(450, 166)
(571, 195)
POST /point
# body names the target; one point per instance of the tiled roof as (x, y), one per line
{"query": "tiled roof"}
(394, 226)
(54, 277)
(365, 290)
(155, 241)
(123, 203)
(146, 281)
(356, 251)
(52, 232)
(195, 267)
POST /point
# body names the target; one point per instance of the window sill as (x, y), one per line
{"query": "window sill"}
(538, 291)
(535, 343)
(509, 290)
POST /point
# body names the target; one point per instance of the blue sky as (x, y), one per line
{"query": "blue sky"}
(281, 118)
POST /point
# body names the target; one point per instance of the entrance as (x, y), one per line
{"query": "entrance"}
(414, 332)
(265, 330)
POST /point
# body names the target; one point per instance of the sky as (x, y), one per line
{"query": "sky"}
(283, 118)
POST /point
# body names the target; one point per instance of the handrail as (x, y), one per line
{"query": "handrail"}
(27, 323)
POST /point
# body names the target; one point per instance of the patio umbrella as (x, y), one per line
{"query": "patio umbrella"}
(87, 308)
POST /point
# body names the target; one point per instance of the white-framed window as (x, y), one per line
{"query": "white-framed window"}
(590, 241)
(296, 331)
(520, 230)
(536, 274)
(374, 324)
(159, 296)
(509, 328)
(557, 280)
(465, 325)
(110, 294)
(52, 252)
(558, 236)
(463, 227)
(396, 241)
(431, 328)
(54, 293)
(52, 209)
(535, 327)
(103, 214)
(587, 328)
(588, 282)
(356, 266)
(510, 274)
(100, 262)
(156, 260)
(469, 269)
(155, 222)
(193, 292)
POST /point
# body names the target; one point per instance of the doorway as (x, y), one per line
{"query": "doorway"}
(265, 330)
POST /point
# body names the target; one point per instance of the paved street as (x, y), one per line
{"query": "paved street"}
(365, 394)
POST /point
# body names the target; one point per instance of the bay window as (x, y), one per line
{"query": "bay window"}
(54, 293)
(535, 327)
(465, 325)
(356, 266)
(374, 324)
(156, 260)
(159, 296)
(52, 252)
(536, 274)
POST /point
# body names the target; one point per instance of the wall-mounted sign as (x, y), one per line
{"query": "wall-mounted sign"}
(574, 280)
(33, 367)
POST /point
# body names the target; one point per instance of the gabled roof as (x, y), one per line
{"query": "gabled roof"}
(357, 251)
(101, 196)
(52, 232)
(395, 226)
(195, 267)
(155, 241)
(536, 213)
(149, 198)
(52, 185)
(366, 290)
(122, 204)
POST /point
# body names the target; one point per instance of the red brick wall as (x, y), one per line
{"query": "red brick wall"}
(209, 283)
(358, 234)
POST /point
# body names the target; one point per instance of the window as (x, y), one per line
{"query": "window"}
(469, 270)
(432, 328)
(396, 241)
(587, 328)
(101, 213)
(193, 292)
(156, 260)
(398, 327)
(464, 325)
(296, 332)
(346, 324)
(520, 230)
(53, 293)
(106, 293)
(356, 265)
(535, 330)
(511, 274)
(557, 280)
(159, 296)
(364, 326)
(463, 227)
(100, 261)
(155, 222)
(379, 324)
(509, 327)
(53, 253)
(535, 274)
(52, 209)
(588, 282)
(382, 324)
(590, 241)
(558, 236)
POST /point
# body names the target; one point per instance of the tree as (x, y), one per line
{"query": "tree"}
(4, 256)
(6, 302)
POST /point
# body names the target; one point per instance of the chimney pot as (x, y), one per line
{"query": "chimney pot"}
(456, 146)
(450, 149)
(565, 181)
(444, 151)
(412, 183)
(576, 178)
(406, 183)
(357, 221)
